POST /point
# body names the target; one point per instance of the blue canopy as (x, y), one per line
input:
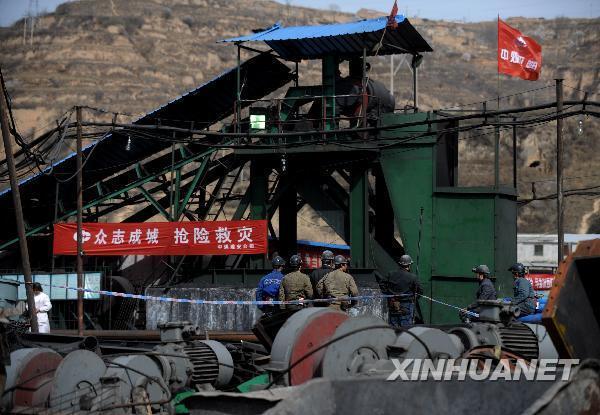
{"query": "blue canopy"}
(341, 39)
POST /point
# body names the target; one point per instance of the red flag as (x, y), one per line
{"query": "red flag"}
(392, 18)
(518, 55)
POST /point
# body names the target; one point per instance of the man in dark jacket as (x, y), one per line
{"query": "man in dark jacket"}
(404, 285)
(268, 286)
(317, 274)
(486, 290)
(524, 295)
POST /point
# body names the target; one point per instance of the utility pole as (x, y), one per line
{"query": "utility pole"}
(514, 149)
(18, 210)
(559, 169)
(79, 227)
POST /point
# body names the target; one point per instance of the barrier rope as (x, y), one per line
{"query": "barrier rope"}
(243, 302)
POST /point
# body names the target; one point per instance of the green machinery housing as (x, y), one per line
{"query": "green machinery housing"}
(398, 191)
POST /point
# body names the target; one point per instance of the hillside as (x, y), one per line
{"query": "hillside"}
(134, 55)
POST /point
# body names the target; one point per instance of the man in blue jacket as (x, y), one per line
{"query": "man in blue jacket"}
(268, 286)
(524, 295)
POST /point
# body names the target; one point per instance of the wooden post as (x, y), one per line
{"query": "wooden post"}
(559, 170)
(14, 185)
(79, 227)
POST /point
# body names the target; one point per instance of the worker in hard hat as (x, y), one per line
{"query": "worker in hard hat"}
(524, 295)
(317, 274)
(295, 286)
(268, 286)
(405, 287)
(486, 290)
(338, 283)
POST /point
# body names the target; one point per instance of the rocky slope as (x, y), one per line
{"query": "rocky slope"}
(133, 55)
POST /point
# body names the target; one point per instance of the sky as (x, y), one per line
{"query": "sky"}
(468, 10)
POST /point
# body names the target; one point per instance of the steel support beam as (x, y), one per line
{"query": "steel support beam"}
(116, 193)
(288, 218)
(259, 187)
(197, 176)
(359, 217)
(329, 71)
(154, 203)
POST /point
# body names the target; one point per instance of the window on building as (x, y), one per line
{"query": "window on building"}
(538, 250)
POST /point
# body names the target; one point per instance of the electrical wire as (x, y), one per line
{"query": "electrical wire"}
(495, 99)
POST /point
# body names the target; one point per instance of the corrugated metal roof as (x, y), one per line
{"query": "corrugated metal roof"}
(341, 39)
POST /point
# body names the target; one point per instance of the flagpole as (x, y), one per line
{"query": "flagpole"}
(497, 128)
(497, 68)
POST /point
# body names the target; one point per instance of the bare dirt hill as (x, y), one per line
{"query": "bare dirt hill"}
(134, 55)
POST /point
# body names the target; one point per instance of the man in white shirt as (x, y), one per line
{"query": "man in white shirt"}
(42, 306)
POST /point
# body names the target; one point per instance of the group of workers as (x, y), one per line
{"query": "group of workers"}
(523, 293)
(336, 287)
(331, 281)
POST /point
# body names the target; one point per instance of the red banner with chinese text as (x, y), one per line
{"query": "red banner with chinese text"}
(541, 282)
(518, 55)
(164, 238)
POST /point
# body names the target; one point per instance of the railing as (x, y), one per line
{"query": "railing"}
(287, 114)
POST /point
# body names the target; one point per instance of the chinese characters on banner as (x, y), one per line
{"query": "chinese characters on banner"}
(541, 282)
(164, 238)
(518, 55)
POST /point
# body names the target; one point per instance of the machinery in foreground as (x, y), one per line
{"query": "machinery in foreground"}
(79, 375)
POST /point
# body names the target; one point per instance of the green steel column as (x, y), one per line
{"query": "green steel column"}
(359, 217)
(288, 218)
(259, 187)
(329, 71)
(258, 190)
(384, 219)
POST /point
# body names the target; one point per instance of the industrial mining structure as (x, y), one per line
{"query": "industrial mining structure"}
(384, 180)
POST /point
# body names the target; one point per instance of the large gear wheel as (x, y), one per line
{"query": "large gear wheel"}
(304, 331)
(354, 352)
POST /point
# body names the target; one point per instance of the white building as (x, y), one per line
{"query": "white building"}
(539, 251)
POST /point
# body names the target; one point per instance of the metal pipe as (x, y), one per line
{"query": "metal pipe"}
(16, 194)
(79, 226)
(559, 170)
(56, 190)
(392, 74)
(82, 342)
(365, 102)
(415, 84)
(238, 111)
(224, 336)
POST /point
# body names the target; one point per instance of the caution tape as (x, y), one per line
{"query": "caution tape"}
(242, 302)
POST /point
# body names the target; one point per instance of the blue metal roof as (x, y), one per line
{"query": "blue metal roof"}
(323, 245)
(341, 39)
